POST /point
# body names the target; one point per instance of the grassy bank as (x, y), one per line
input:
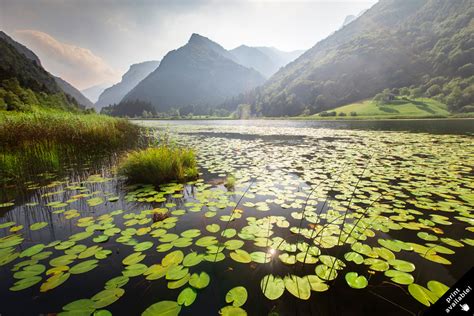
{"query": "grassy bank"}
(32, 142)
(399, 108)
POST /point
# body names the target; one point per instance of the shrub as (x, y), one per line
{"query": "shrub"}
(353, 113)
(158, 165)
(342, 114)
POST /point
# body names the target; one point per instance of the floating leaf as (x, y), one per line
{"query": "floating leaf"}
(356, 281)
(175, 257)
(84, 266)
(272, 286)
(199, 281)
(187, 296)
(241, 256)
(107, 297)
(163, 308)
(37, 226)
(237, 296)
(298, 286)
(232, 311)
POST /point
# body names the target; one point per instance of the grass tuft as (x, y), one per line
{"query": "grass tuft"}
(158, 165)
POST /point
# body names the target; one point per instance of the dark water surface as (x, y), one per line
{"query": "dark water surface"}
(391, 179)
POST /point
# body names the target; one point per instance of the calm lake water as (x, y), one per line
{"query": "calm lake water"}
(389, 200)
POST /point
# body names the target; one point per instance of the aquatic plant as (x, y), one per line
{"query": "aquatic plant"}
(159, 165)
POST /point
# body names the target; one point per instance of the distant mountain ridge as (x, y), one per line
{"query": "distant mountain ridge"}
(135, 74)
(201, 74)
(73, 92)
(266, 60)
(40, 74)
(424, 45)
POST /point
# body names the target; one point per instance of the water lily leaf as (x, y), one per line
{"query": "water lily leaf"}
(272, 286)
(192, 259)
(261, 257)
(234, 244)
(102, 312)
(325, 272)
(232, 311)
(84, 266)
(174, 257)
(241, 256)
(354, 257)
(33, 250)
(436, 258)
(29, 271)
(62, 260)
(437, 288)
(421, 294)
(402, 265)
(54, 281)
(213, 228)
(143, 246)
(25, 283)
(237, 296)
(426, 236)
(134, 270)
(179, 283)
(116, 282)
(356, 281)
(316, 283)
(176, 272)
(163, 308)
(107, 297)
(84, 305)
(229, 233)
(134, 258)
(187, 296)
(206, 241)
(191, 233)
(199, 281)
(37, 226)
(400, 277)
(298, 286)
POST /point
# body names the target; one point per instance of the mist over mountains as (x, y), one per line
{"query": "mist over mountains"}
(423, 47)
(135, 74)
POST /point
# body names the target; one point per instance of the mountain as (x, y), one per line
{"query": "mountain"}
(348, 19)
(266, 60)
(63, 85)
(25, 84)
(426, 46)
(93, 93)
(22, 49)
(135, 74)
(201, 73)
(73, 92)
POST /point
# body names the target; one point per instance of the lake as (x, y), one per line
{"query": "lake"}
(302, 217)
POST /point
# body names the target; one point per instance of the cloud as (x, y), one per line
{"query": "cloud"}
(77, 65)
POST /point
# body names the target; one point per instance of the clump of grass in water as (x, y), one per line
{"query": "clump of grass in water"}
(230, 182)
(158, 165)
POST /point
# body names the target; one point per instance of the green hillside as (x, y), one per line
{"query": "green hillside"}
(400, 107)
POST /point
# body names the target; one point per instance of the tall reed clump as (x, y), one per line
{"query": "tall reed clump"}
(84, 131)
(158, 165)
(34, 142)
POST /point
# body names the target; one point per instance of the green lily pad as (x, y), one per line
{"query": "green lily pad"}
(298, 286)
(237, 296)
(356, 281)
(272, 286)
(163, 308)
(199, 281)
(187, 296)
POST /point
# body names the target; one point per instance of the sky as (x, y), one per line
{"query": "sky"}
(92, 42)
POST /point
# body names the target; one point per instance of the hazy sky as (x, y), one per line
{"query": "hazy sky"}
(89, 42)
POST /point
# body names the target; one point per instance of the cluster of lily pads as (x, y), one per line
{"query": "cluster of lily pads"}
(324, 201)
